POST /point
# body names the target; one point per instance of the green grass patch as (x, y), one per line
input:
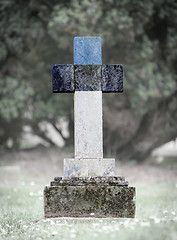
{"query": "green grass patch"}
(21, 216)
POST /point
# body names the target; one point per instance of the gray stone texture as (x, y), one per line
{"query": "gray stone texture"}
(88, 124)
(83, 201)
(87, 77)
(112, 78)
(63, 78)
(88, 167)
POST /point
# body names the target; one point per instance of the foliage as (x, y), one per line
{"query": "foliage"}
(34, 35)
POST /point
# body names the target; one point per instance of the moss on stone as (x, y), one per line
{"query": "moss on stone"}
(81, 201)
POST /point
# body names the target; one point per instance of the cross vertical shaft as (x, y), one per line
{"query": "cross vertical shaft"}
(88, 158)
(88, 104)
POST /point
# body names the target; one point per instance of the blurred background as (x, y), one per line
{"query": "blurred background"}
(140, 124)
(141, 35)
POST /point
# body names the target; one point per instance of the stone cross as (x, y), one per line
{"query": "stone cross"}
(89, 187)
(88, 78)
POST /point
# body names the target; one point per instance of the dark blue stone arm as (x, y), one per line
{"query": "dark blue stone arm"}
(112, 78)
(70, 78)
(63, 78)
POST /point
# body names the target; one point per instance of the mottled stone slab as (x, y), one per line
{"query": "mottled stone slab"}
(87, 51)
(87, 77)
(92, 181)
(63, 78)
(88, 167)
(112, 78)
(88, 124)
(89, 201)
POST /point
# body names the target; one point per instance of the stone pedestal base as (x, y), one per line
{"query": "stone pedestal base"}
(90, 197)
(88, 167)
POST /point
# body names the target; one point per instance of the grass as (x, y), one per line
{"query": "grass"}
(21, 216)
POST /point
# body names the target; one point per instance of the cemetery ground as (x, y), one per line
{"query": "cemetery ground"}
(23, 176)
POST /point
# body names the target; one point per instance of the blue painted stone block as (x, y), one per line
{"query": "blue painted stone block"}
(87, 51)
(112, 78)
(87, 77)
(63, 78)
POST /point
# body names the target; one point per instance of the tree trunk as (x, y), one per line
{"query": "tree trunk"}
(155, 128)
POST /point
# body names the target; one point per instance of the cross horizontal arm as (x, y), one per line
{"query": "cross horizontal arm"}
(63, 78)
(70, 78)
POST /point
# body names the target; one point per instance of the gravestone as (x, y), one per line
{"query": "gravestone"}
(89, 186)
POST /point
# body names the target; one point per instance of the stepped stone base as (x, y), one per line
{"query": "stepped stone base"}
(89, 197)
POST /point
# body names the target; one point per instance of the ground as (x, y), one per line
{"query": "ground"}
(23, 176)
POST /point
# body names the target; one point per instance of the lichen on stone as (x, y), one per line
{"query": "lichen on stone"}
(94, 196)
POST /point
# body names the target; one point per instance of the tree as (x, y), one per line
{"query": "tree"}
(141, 35)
